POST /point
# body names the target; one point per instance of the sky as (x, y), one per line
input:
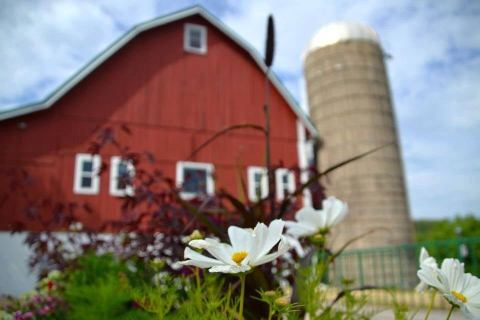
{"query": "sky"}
(434, 71)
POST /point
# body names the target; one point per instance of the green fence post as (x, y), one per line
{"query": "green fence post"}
(360, 267)
(472, 251)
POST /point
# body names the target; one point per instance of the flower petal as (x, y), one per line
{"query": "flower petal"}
(431, 262)
(432, 277)
(472, 288)
(241, 239)
(295, 244)
(335, 210)
(198, 260)
(268, 238)
(298, 229)
(453, 271)
(222, 252)
(309, 216)
(423, 255)
(230, 268)
(203, 243)
(260, 234)
(471, 311)
(283, 247)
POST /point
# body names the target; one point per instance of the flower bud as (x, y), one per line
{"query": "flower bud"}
(282, 301)
(318, 239)
(158, 263)
(196, 235)
(270, 293)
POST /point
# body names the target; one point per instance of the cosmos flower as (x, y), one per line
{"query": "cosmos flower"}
(248, 249)
(460, 289)
(425, 260)
(310, 221)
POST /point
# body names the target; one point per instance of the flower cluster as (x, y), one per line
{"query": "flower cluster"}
(252, 247)
(249, 248)
(37, 305)
(460, 289)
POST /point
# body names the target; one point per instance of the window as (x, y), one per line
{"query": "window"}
(257, 183)
(310, 152)
(195, 179)
(195, 38)
(121, 175)
(86, 179)
(285, 182)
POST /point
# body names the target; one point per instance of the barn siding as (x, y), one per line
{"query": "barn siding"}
(171, 100)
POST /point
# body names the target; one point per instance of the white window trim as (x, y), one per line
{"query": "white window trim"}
(279, 173)
(186, 38)
(208, 167)
(77, 182)
(114, 175)
(252, 171)
(303, 163)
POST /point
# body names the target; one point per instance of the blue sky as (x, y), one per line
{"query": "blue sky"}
(434, 72)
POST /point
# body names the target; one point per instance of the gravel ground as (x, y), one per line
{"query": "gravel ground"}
(435, 315)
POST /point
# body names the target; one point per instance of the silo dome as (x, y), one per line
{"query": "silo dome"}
(342, 31)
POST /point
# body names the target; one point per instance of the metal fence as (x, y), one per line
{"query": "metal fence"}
(395, 267)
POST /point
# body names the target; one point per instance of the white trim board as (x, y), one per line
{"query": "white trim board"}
(251, 172)
(114, 176)
(279, 174)
(208, 167)
(187, 28)
(79, 174)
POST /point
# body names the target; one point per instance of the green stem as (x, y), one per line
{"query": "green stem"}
(270, 313)
(197, 277)
(242, 296)
(432, 300)
(450, 313)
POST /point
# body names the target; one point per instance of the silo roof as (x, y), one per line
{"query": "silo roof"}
(342, 31)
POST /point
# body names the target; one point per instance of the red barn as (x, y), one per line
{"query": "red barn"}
(174, 81)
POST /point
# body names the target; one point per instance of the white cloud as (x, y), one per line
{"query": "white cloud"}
(434, 71)
(436, 99)
(43, 43)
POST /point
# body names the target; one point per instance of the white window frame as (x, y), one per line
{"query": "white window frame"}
(80, 158)
(251, 172)
(303, 163)
(203, 38)
(279, 173)
(114, 175)
(208, 167)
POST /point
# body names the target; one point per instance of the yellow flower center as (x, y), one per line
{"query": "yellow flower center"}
(239, 256)
(459, 296)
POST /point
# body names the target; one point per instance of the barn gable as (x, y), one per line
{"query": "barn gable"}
(140, 28)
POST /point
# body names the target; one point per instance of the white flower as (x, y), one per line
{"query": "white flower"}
(76, 226)
(296, 245)
(425, 260)
(459, 288)
(311, 221)
(249, 248)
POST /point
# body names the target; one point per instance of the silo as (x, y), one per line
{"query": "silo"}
(350, 103)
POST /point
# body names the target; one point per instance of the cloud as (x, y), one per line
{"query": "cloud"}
(45, 42)
(433, 74)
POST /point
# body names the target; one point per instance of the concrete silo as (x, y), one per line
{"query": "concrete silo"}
(350, 103)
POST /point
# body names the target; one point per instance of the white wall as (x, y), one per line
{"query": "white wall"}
(15, 275)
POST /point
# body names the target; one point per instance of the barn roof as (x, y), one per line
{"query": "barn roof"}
(53, 97)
